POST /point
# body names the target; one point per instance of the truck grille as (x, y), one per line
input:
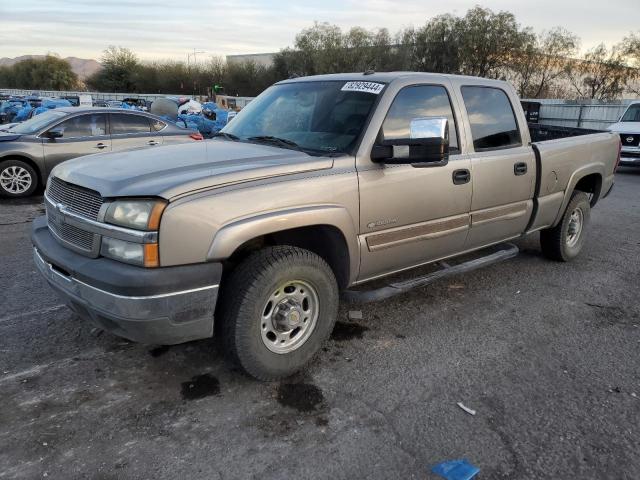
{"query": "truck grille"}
(630, 139)
(81, 201)
(76, 199)
(73, 235)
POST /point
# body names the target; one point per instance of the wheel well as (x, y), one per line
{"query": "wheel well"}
(28, 161)
(324, 240)
(592, 184)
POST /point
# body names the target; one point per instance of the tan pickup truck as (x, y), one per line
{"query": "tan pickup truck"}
(319, 185)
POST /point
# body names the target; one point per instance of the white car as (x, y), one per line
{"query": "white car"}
(629, 129)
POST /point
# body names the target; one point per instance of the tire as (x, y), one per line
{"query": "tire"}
(563, 242)
(271, 293)
(17, 179)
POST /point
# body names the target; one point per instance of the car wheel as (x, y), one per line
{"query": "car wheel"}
(278, 307)
(17, 179)
(564, 241)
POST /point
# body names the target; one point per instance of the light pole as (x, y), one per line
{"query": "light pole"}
(189, 55)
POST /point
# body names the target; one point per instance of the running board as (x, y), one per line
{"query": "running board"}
(506, 251)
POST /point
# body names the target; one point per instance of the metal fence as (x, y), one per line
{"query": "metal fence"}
(241, 102)
(590, 114)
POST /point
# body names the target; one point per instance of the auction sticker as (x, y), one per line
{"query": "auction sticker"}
(367, 87)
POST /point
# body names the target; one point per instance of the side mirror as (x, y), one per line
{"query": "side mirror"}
(428, 144)
(54, 133)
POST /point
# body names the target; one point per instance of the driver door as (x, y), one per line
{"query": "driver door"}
(81, 135)
(410, 216)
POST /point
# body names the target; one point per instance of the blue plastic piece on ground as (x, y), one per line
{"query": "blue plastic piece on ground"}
(456, 470)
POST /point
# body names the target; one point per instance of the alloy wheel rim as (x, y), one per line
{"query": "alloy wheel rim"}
(289, 316)
(574, 229)
(15, 179)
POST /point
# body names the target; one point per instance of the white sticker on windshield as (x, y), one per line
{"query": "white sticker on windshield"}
(367, 87)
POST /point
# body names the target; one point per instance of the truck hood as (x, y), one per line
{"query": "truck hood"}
(625, 127)
(175, 170)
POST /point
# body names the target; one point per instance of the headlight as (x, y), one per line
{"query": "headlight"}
(137, 214)
(142, 254)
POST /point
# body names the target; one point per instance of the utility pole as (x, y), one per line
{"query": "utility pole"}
(189, 55)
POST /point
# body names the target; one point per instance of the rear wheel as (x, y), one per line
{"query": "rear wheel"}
(17, 179)
(564, 241)
(278, 307)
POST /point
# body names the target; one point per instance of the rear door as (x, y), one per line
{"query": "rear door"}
(131, 130)
(502, 167)
(81, 135)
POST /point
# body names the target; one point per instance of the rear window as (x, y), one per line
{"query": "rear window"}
(493, 122)
(129, 123)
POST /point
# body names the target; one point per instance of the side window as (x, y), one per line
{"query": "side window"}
(157, 125)
(413, 102)
(493, 123)
(129, 123)
(84, 126)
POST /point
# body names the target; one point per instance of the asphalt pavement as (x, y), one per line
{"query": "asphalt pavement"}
(545, 353)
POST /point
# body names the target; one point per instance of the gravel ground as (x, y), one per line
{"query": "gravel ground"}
(545, 353)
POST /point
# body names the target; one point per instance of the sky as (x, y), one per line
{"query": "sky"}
(160, 29)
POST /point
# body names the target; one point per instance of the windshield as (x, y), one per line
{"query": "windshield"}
(632, 114)
(38, 122)
(317, 117)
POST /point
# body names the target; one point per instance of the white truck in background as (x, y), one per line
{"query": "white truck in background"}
(629, 130)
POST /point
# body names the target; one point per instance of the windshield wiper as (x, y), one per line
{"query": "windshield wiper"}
(227, 136)
(280, 142)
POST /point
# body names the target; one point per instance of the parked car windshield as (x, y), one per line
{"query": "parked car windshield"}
(37, 123)
(632, 114)
(317, 117)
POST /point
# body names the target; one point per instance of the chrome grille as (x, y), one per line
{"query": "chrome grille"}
(76, 199)
(74, 235)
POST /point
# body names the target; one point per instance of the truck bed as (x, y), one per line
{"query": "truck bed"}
(540, 133)
(564, 155)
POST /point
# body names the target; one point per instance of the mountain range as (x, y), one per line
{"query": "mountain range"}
(83, 67)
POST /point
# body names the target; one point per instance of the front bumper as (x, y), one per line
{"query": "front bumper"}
(159, 305)
(630, 157)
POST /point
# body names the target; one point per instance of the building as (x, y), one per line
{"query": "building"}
(263, 59)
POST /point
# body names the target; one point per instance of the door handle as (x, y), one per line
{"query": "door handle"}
(152, 142)
(461, 176)
(520, 168)
(100, 146)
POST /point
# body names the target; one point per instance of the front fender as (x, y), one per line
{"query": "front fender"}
(233, 235)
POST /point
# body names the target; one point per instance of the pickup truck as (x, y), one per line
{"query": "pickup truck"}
(319, 185)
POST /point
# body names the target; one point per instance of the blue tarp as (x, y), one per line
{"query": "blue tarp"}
(50, 103)
(23, 113)
(456, 470)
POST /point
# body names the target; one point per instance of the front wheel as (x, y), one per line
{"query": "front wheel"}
(564, 241)
(17, 179)
(278, 307)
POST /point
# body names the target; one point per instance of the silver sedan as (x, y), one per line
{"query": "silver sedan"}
(30, 150)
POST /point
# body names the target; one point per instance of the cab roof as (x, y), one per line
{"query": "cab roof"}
(386, 77)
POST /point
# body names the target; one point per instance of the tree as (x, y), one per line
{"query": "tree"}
(630, 46)
(48, 73)
(601, 74)
(436, 46)
(542, 61)
(118, 73)
(488, 42)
